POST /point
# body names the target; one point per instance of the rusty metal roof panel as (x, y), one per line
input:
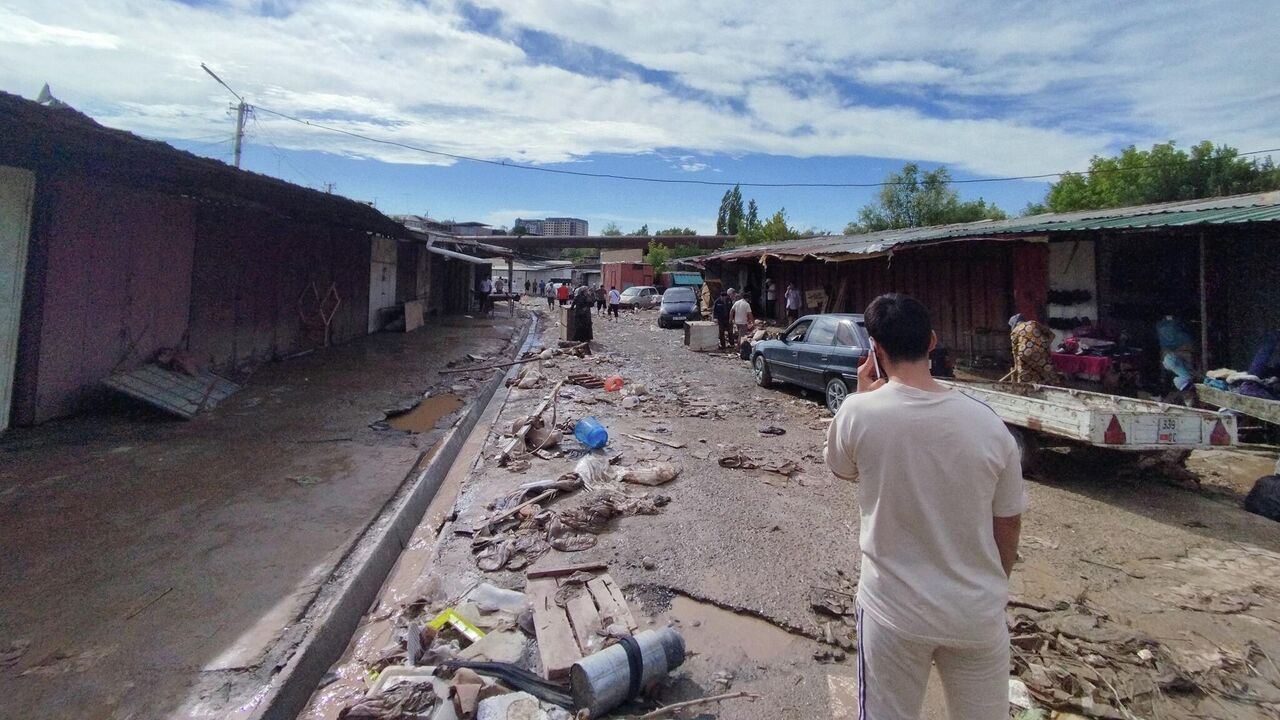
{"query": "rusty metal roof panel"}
(1257, 207)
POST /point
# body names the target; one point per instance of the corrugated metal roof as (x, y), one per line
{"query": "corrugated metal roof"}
(686, 278)
(1235, 209)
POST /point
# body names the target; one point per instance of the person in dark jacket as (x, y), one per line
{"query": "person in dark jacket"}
(583, 301)
(720, 311)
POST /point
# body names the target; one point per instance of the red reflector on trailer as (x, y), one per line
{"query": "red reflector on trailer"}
(1114, 434)
(1219, 436)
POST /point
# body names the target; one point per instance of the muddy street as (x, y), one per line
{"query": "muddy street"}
(1141, 591)
(163, 568)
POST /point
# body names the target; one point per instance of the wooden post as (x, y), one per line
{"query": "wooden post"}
(511, 281)
(1204, 310)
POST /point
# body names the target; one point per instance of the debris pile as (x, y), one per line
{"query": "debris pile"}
(1074, 658)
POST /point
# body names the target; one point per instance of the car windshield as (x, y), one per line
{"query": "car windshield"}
(678, 294)
(631, 292)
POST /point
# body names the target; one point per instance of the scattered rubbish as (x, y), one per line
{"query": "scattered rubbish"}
(613, 384)
(636, 390)
(540, 438)
(452, 618)
(177, 393)
(660, 474)
(648, 563)
(606, 679)
(403, 700)
(586, 380)
(518, 706)
(489, 598)
(676, 707)
(569, 628)
(500, 646)
(306, 480)
(739, 461)
(652, 439)
(550, 572)
(591, 433)
(517, 677)
(1019, 695)
(771, 430)
(630, 402)
(517, 445)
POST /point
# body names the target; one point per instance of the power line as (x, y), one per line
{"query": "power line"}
(722, 183)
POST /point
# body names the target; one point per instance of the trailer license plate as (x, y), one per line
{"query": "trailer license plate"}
(1168, 430)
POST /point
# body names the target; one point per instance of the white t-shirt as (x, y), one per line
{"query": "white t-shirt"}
(933, 468)
(793, 299)
(739, 312)
(614, 297)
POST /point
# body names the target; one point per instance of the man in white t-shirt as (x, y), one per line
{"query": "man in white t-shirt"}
(941, 498)
(740, 315)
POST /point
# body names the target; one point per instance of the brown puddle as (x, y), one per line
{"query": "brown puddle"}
(729, 637)
(424, 416)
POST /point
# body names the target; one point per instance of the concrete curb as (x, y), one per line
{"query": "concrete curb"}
(355, 582)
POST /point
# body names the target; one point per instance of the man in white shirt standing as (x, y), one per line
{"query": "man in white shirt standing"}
(941, 498)
(792, 299)
(741, 316)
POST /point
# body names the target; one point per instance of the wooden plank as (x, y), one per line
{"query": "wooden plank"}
(585, 619)
(557, 571)
(612, 603)
(650, 438)
(557, 646)
(621, 601)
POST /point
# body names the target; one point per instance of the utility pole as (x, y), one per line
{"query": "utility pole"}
(242, 112)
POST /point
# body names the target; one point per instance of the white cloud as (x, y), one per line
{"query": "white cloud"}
(1021, 88)
(22, 30)
(906, 72)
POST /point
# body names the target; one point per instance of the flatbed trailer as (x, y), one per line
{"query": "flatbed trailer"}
(1260, 408)
(1102, 420)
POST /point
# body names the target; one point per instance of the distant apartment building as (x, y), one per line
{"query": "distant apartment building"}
(553, 226)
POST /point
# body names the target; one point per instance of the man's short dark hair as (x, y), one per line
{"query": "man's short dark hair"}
(900, 326)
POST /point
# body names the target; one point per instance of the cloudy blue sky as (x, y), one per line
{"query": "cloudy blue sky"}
(709, 90)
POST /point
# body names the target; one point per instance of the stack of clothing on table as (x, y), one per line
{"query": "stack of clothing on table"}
(1267, 388)
(1263, 378)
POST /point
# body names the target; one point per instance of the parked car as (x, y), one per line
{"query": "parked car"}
(818, 352)
(823, 352)
(639, 296)
(678, 305)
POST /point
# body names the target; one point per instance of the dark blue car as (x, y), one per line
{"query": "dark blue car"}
(818, 352)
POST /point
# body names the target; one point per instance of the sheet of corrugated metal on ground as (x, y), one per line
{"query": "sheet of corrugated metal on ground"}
(173, 392)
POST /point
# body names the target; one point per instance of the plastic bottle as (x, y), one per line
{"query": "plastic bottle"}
(613, 384)
(591, 433)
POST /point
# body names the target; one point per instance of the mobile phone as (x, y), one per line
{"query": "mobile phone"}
(875, 361)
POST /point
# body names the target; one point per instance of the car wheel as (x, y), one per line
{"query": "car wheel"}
(760, 367)
(837, 391)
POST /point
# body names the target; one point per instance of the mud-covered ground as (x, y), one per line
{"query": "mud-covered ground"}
(1136, 584)
(155, 567)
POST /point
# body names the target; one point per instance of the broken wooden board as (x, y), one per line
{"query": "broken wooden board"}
(173, 392)
(557, 646)
(652, 439)
(569, 633)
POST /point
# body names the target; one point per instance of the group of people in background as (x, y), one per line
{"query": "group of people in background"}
(734, 317)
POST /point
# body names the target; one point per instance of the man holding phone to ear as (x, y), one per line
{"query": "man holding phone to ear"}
(941, 498)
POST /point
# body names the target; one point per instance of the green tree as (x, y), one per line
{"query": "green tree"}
(913, 198)
(641, 231)
(776, 228)
(611, 229)
(677, 231)
(1162, 174)
(1034, 208)
(519, 230)
(660, 256)
(729, 220)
